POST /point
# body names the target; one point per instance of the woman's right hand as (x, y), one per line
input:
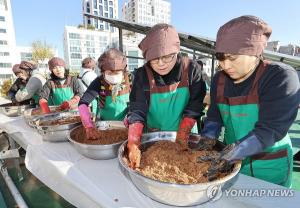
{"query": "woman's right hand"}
(135, 131)
(92, 133)
(134, 155)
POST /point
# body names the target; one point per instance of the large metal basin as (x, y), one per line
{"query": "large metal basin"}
(169, 193)
(13, 111)
(55, 133)
(99, 152)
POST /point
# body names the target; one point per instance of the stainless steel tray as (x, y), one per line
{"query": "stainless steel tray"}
(13, 111)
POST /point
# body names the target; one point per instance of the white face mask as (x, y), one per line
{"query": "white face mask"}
(114, 79)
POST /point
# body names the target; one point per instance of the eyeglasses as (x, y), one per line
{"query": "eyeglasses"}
(165, 59)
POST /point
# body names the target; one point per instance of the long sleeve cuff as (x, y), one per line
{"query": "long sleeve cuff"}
(211, 129)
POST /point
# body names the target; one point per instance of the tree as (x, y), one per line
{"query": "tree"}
(90, 27)
(5, 87)
(41, 51)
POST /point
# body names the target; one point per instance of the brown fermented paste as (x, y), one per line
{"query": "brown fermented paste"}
(166, 161)
(105, 136)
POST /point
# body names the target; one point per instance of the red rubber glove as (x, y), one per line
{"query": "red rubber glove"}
(65, 106)
(135, 132)
(184, 131)
(92, 133)
(44, 106)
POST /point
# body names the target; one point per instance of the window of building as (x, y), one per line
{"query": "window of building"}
(2, 30)
(75, 49)
(95, 3)
(75, 62)
(101, 10)
(132, 67)
(105, 5)
(100, 1)
(4, 53)
(76, 55)
(133, 54)
(74, 42)
(88, 10)
(111, 12)
(74, 36)
(2, 18)
(90, 50)
(26, 56)
(3, 42)
(3, 5)
(101, 27)
(110, 3)
(5, 65)
(106, 14)
(106, 25)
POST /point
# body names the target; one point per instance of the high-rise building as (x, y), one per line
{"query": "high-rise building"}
(80, 43)
(7, 40)
(103, 8)
(147, 12)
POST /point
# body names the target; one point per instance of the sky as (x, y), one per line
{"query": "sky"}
(45, 20)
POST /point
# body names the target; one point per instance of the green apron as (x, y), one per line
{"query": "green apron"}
(239, 115)
(167, 103)
(36, 99)
(94, 106)
(115, 110)
(61, 93)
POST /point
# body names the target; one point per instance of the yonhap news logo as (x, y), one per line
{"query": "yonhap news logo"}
(215, 193)
(259, 193)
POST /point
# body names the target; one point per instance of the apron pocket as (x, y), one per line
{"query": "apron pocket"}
(273, 167)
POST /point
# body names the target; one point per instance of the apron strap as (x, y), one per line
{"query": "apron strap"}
(68, 81)
(270, 156)
(260, 71)
(52, 84)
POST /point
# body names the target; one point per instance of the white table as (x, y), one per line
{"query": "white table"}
(94, 183)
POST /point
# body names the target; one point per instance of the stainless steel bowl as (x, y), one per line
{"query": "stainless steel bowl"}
(99, 152)
(55, 133)
(169, 193)
(13, 111)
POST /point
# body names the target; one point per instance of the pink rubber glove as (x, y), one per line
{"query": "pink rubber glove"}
(85, 116)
